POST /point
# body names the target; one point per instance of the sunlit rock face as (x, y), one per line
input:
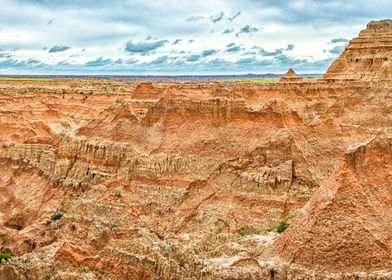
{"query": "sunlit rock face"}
(368, 56)
(122, 180)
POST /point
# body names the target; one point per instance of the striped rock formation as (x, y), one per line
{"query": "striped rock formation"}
(368, 56)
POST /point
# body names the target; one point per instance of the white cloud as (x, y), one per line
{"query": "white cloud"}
(104, 28)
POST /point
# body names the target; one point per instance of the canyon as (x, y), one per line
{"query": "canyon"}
(193, 180)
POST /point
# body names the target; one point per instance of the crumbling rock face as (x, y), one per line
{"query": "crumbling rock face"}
(122, 180)
(345, 226)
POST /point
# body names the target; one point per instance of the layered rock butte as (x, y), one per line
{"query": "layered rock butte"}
(156, 181)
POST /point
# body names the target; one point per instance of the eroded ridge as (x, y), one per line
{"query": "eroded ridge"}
(193, 180)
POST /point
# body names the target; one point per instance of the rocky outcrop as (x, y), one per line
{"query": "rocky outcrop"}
(345, 227)
(290, 77)
(367, 57)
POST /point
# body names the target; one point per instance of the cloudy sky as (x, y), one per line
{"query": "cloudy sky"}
(133, 37)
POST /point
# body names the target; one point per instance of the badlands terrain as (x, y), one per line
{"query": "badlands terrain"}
(199, 180)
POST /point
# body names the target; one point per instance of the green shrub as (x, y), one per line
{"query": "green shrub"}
(119, 194)
(57, 216)
(270, 229)
(5, 257)
(114, 225)
(282, 226)
(73, 227)
(244, 233)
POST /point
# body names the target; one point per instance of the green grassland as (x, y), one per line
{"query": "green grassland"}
(40, 80)
(255, 80)
(10, 79)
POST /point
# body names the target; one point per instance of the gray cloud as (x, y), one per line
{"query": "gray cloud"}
(100, 61)
(193, 58)
(264, 52)
(208, 52)
(217, 17)
(283, 59)
(234, 16)
(339, 40)
(126, 61)
(178, 52)
(143, 47)
(228, 31)
(247, 29)
(249, 53)
(59, 48)
(233, 47)
(246, 61)
(214, 18)
(195, 18)
(177, 41)
(20, 64)
(337, 49)
(5, 55)
(149, 37)
(160, 60)
(276, 52)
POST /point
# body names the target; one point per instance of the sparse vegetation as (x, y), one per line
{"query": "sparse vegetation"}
(282, 226)
(119, 194)
(5, 240)
(57, 216)
(114, 225)
(73, 227)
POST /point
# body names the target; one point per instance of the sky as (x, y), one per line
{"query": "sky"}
(178, 37)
